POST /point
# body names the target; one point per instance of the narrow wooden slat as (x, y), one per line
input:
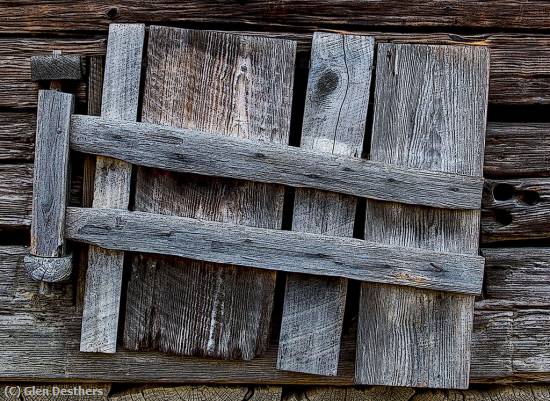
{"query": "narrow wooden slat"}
(47, 261)
(274, 249)
(334, 122)
(112, 189)
(430, 112)
(191, 151)
(236, 86)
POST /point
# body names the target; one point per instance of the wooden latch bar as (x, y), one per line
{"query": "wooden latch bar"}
(48, 261)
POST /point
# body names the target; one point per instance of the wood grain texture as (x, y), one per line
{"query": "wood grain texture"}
(516, 209)
(517, 276)
(17, 131)
(350, 394)
(334, 122)
(16, 195)
(235, 86)
(18, 90)
(517, 150)
(47, 329)
(200, 393)
(519, 61)
(279, 250)
(191, 151)
(112, 189)
(435, 120)
(48, 269)
(56, 67)
(23, 16)
(523, 392)
(51, 174)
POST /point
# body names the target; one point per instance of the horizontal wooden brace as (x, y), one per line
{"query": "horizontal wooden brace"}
(289, 251)
(190, 151)
(56, 67)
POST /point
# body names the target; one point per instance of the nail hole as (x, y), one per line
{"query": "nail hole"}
(503, 217)
(112, 13)
(502, 192)
(529, 197)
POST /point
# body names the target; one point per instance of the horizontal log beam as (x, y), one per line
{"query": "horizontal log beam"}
(54, 16)
(518, 75)
(288, 251)
(190, 151)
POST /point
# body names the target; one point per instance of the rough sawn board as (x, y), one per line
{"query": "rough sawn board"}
(231, 85)
(334, 121)
(430, 112)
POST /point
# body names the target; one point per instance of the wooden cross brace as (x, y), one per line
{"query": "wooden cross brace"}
(191, 151)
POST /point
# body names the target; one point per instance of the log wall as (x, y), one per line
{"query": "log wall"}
(512, 323)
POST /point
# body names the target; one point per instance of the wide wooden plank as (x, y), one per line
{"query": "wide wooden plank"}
(261, 248)
(517, 150)
(516, 209)
(112, 189)
(190, 151)
(334, 122)
(236, 86)
(53, 16)
(51, 173)
(430, 112)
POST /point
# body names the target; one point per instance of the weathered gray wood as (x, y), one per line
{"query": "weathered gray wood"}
(56, 67)
(49, 270)
(200, 393)
(46, 329)
(17, 132)
(519, 276)
(515, 209)
(112, 189)
(191, 151)
(51, 173)
(96, 66)
(517, 149)
(236, 86)
(262, 248)
(16, 195)
(334, 122)
(523, 392)
(430, 112)
(350, 394)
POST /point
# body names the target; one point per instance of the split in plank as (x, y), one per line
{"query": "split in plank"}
(191, 151)
(274, 249)
(334, 123)
(430, 112)
(112, 189)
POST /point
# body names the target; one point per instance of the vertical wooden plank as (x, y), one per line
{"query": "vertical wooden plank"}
(96, 66)
(430, 112)
(334, 122)
(112, 189)
(51, 173)
(231, 85)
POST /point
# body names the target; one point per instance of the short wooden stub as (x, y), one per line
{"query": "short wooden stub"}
(56, 67)
(112, 189)
(430, 112)
(50, 187)
(334, 122)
